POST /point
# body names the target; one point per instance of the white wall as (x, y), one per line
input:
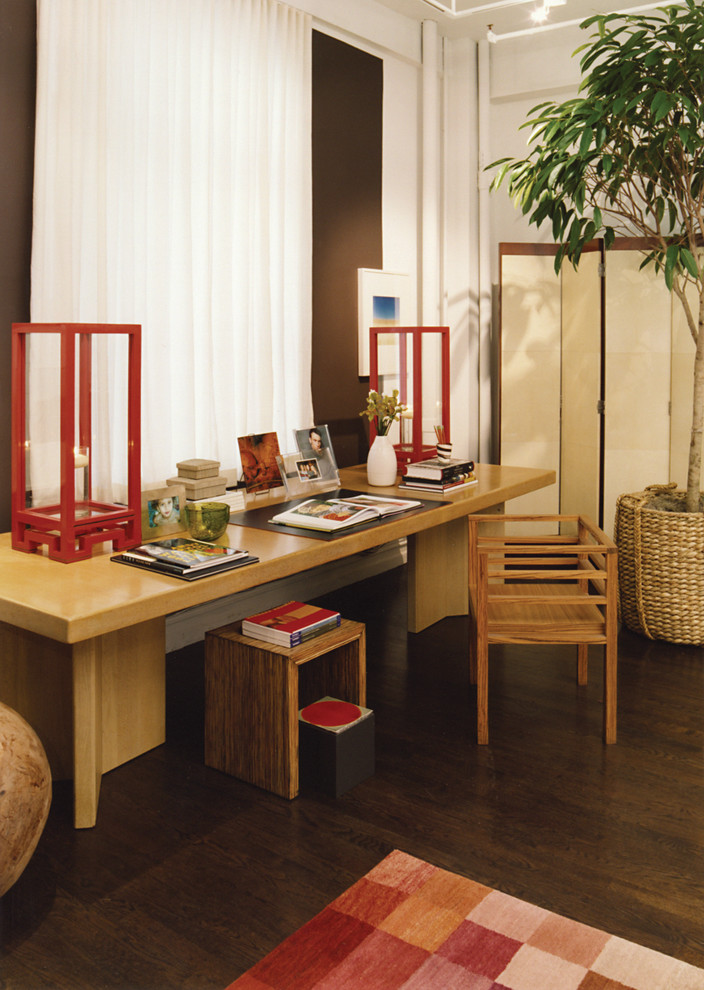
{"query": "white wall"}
(460, 251)
(524, 72)
(401, 175)
(484, 111)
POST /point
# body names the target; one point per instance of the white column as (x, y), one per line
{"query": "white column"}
(484, 248)
(460, 239)
(431, 178)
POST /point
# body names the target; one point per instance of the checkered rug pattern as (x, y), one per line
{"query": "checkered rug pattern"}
(408, 925)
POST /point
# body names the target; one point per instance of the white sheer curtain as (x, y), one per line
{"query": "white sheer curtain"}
(173, 189)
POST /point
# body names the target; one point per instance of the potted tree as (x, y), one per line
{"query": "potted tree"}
(626, 158)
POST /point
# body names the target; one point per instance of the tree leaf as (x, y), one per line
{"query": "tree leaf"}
(689, 262)
(671, 262)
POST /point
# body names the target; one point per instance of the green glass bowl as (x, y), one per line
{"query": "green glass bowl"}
(207, 520)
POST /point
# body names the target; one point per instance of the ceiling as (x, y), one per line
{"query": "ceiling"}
(471, 18)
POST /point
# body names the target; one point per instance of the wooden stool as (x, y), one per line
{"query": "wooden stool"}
(254, 690)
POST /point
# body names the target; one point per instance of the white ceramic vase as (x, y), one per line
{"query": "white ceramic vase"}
(381, 463)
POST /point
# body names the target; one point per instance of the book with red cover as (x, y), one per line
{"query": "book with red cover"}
(290, 624)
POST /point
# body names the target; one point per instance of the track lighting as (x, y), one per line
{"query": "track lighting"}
(541, 14)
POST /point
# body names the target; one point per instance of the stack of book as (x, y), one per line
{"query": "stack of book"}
(290, 624)
(185, 559)
(436, 475)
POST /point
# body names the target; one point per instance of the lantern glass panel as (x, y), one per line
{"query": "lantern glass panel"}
(108, 435)
(100, 429)
(416, 361)
(434, 413)
(395, 364)
(42, 440)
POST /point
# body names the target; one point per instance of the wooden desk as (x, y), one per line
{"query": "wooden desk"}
(82, 645)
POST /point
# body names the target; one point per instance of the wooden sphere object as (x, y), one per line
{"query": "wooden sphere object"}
(25, 794)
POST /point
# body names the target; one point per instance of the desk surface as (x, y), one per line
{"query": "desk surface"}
(73, 602)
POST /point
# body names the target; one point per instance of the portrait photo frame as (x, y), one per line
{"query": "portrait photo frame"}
(384, 298)
(314, 442)
(155, 523)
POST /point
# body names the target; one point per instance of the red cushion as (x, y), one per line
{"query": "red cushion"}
(331, 713)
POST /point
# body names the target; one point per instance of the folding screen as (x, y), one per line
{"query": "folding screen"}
(590, 368)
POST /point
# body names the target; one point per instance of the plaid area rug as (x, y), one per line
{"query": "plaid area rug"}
(410, 925)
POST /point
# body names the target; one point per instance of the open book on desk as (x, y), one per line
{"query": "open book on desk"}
(334, 514)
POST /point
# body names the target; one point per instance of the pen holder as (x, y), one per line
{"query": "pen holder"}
(444, 451)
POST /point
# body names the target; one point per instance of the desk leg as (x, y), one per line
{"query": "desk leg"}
(87, 731)
(119, 706)
(94, 704)
(438, 577)
(133, 663)
(36, 680)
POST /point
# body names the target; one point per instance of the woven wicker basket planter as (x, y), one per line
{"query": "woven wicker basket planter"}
(661, 568)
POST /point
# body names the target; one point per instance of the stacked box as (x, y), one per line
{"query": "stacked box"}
(201, 478)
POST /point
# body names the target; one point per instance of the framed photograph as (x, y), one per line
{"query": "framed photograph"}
(383, 299)
(308, 470)
(314, 444)
(258, 453)
(163, 512)
(302, 475)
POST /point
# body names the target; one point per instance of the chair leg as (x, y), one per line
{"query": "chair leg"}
(610, 690)
(472, 652)
(582, 663)
(482, 648)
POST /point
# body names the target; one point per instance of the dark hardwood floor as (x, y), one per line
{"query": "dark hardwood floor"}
(191, 876)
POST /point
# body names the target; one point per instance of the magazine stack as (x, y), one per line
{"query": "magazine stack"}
(185, 559)
(290, 624)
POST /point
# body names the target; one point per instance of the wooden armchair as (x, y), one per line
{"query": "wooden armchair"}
(540, 588)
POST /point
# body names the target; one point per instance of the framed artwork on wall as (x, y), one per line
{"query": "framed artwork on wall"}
(383, 299)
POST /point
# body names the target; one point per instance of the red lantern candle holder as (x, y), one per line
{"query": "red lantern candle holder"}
(416, 361)
(60, 372)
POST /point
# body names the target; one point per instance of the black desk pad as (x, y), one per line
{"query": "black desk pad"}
(260, 518)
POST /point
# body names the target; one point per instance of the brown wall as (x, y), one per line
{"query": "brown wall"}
(347, 129)
(17, 89)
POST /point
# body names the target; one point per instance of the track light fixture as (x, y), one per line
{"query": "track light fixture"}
(541, 13)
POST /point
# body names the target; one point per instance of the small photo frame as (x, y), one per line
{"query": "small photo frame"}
(308, 469)
(302, 475)
(163, 511)
(314, 444)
